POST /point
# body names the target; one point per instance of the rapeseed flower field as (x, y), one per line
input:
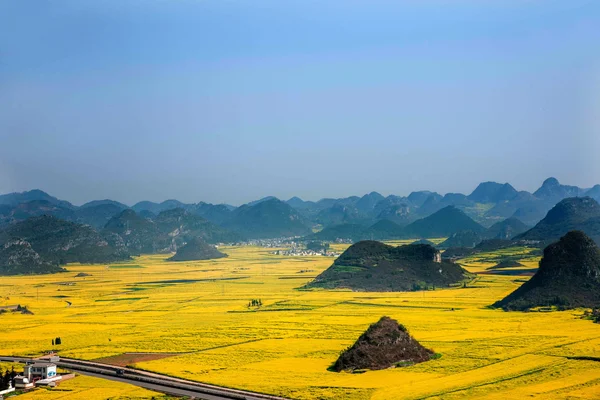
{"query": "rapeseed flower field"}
(197, 314)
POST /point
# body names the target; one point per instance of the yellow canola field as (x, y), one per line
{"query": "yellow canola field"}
(199, 310)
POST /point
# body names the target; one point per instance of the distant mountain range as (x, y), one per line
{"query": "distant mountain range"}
(576, 213)
(492, 210)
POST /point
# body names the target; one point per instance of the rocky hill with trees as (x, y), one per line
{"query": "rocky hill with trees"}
(61, 242)
(196, 249)
(17, 257)
(384, 344)
(374, 266)
(568, 277)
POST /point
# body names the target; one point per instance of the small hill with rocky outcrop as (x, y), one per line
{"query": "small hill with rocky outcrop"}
(385, 344)
(197, 249)
(374, 266)
(568, 277)
(17, 257)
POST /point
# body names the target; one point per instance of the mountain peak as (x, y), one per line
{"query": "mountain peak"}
(551, 182)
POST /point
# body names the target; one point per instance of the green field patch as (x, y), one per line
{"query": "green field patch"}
(125, 266)
(349, 268)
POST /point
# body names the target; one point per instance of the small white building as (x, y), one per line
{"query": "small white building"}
(22, 382)
(37, 371)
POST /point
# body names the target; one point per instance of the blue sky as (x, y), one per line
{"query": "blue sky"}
(228, 101)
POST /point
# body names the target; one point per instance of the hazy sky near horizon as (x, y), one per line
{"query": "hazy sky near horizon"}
(229, 101)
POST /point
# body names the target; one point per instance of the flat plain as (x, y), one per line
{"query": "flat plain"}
(195, 315)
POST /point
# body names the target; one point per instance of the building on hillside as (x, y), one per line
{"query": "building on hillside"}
(38, 371)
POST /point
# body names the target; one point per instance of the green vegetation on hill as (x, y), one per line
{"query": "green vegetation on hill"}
(506, 229)
(375, 266)
(17, 257)
(384, 230)
(493, 192)
(183, 225)
(443, 223)
(61, 241)
(139, 234)
(268, 219)
(576, 213)
(568, 277)
(171, 228)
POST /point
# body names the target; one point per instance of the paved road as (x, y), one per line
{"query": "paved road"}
(152, 381)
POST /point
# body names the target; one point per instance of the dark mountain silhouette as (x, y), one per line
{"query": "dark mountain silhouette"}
(182, 226)
(532, 213)
(385, 344)
(61, 241)
(375, 266)
(139, 234)
(418, 198)
(268, 219)
(462, 239)
(95, 203)
(576, 213)
(456, 199)
(594, 193)
(341, 213)
(445, 222)
(17, 257)
(167, 231)
(431, 205)
(196, 249)
(255, 202)
(157, 208)
(299, 204)
(385, 230)
(12, 199)
(506, 229)
(97, 215)
(353, 232)
(398, 213)
(367, 203)
(35, 208)
(492, 192)
(568, 277)
(523, 200)
(553, 191)
(147, 214)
